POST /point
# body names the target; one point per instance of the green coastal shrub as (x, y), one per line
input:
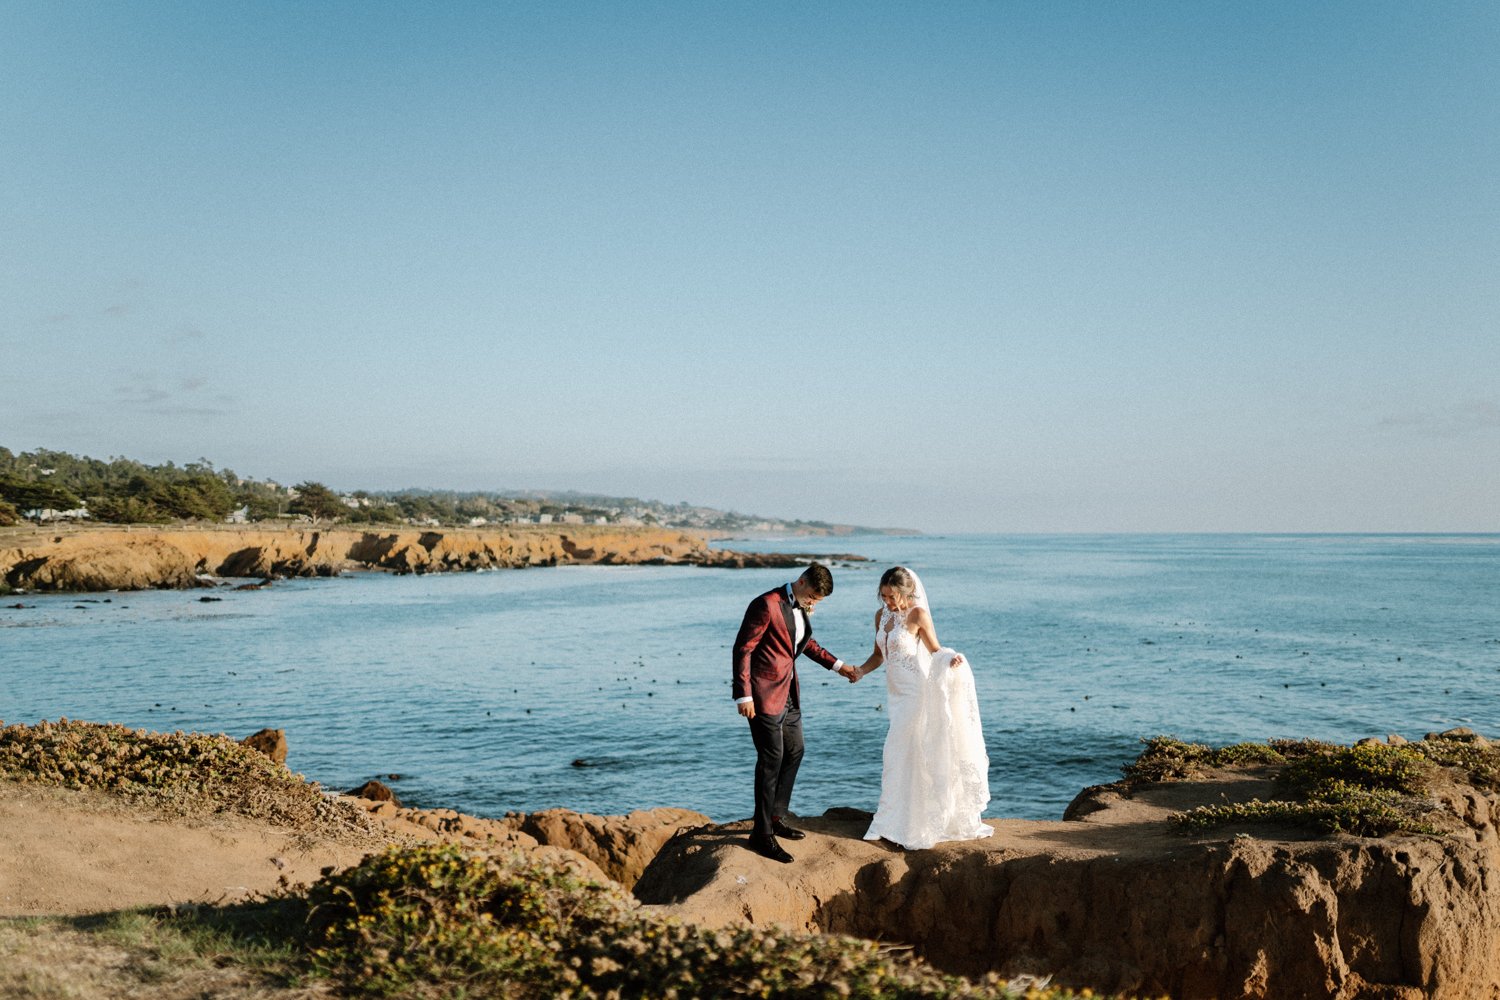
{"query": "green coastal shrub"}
(1167, 758)
(1370, 790)
(1297, 749)
(1480, 763)
(439, 915)
(1359, 812)
(1371, 767)
(188, 773)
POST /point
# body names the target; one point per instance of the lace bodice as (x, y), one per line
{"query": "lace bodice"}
(898, 645)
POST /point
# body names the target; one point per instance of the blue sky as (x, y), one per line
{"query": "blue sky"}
(958, 266)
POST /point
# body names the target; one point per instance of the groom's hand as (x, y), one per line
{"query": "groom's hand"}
(747, 709)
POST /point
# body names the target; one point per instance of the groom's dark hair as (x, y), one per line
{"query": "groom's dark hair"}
(819, 579)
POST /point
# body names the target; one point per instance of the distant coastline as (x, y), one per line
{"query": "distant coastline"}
(55, 487)
(124, 557)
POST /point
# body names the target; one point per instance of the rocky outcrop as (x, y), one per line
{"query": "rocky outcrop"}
(621, 845)
(271, 742)
(139, 559)
(602, 847)
(1115, 900)
(375, 791)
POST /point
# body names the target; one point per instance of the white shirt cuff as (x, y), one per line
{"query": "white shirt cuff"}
(741, 701)
(837, 664)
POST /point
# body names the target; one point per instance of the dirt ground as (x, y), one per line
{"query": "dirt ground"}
(65, 852)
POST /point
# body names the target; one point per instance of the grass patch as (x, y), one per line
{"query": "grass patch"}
(136, 953)
(252, 936)
(184, 773)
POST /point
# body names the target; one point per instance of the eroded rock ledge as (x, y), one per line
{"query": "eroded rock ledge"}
(604, 847)
(1116, 900)
(141, 559)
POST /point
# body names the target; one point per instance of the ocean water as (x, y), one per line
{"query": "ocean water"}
(606, 689)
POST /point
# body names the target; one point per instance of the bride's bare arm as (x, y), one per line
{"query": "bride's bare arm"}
(875, 659)
(922, 619)
(927, 632)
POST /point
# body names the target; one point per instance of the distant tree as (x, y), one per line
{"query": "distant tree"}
(127, 510)
(474, 507)
(259, 507)
(317, 502)
(207, 496)
(8, 514)
(417, 507)
(30, 495)
(376, 513)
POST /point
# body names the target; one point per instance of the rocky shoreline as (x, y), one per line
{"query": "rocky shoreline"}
(101, 559)
(1118, 896)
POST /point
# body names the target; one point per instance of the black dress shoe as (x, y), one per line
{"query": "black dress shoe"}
(786, 832)
(767, 847)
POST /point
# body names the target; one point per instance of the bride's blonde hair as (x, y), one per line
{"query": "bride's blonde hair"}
(900, 578)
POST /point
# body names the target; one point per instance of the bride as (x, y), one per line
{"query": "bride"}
(935, 781)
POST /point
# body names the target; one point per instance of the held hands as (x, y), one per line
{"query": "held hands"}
(850, 671)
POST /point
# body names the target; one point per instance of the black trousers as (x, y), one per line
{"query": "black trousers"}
(778, 754)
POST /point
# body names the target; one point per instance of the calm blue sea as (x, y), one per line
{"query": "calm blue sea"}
(481, 691)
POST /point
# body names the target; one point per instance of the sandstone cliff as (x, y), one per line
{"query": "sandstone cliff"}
(1115, 900)
(139, 559)
(605, 847)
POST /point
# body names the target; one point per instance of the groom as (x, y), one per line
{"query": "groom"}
(777, 628)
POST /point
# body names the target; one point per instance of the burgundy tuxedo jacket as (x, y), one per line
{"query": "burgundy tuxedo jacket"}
(765, 666)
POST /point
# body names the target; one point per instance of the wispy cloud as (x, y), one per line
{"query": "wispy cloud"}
(182, 396)
(185, 335)
(141, 390)
(1450, 421)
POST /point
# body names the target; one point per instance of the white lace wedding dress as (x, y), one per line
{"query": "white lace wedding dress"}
(935, 782)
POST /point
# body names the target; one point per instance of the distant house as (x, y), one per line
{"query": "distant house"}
(571, 519)
(601, 519)
(544, 519)
(48, 514)
(475, 522)
(238, 516)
